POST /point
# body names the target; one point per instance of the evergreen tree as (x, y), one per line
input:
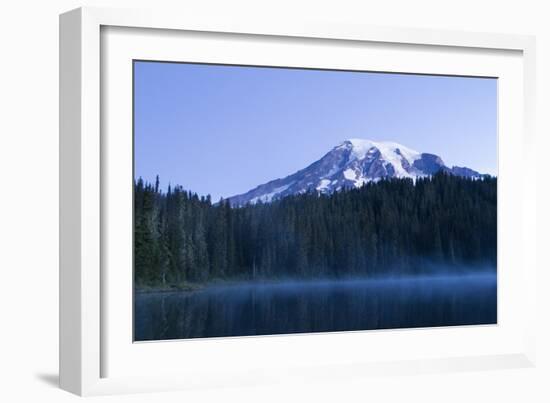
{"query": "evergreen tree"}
(390, 226)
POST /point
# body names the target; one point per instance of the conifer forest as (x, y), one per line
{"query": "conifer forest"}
(389, 227)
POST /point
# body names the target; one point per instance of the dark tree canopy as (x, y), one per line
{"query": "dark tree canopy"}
(391, 226)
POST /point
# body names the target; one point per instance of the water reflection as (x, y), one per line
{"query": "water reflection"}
(316, 306)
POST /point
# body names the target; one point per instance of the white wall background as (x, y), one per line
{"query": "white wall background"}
(29, 201)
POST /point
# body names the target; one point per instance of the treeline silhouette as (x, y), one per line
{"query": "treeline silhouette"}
(391, 226)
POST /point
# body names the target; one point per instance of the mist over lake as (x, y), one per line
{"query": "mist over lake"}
(272, 200)
(285, 307)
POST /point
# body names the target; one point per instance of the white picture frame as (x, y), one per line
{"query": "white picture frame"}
(88, 332)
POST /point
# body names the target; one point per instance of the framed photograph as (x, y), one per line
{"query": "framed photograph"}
(244, 202)
(271, 219)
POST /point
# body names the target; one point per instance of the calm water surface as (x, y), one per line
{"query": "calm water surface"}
(316, 306)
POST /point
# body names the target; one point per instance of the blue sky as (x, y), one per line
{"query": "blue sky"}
(222, 130)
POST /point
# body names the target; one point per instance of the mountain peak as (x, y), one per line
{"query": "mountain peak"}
(351, 164)
(388, 149)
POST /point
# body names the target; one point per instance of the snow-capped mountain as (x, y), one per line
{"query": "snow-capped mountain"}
(351, 164)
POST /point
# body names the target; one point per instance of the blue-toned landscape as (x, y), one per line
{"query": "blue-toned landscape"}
(235, 235)
(250, 308)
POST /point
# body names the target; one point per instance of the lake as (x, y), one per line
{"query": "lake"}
(261, 308)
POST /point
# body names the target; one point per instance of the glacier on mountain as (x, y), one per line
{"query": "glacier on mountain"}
(351, 164)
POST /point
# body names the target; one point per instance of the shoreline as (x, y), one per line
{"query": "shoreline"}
(191, 287)
(149, 289)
